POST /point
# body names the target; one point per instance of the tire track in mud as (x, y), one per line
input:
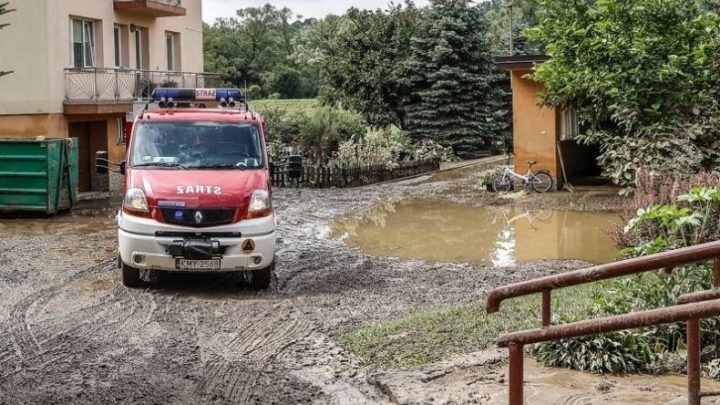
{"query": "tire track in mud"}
(237, 361)
(579, 399)
(36, 345)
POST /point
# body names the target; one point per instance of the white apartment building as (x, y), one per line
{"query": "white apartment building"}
(81, 67)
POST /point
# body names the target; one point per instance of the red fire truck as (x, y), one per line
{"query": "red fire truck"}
(197, 194)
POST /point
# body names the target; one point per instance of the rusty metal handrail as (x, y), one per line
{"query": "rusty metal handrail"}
(691, 312)
(692, 307)
(665, 260)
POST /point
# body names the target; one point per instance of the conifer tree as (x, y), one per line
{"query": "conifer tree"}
(458, 99)
(4, 10)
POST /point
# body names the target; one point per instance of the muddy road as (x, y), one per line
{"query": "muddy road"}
(71, 333)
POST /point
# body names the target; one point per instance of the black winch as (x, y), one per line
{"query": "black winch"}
(195, 249)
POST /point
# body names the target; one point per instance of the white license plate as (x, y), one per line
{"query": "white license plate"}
(184, 264)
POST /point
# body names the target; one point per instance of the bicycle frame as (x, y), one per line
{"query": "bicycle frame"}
(526, 178)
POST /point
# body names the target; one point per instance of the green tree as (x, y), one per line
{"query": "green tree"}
(642, 75)
(285, 81)
(365, 70)
(456, 99)
(4, 10)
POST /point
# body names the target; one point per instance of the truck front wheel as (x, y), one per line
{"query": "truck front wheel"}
(131, 276)
(260, 279)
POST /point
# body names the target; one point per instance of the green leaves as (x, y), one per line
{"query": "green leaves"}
(638, 72)
(457, 97)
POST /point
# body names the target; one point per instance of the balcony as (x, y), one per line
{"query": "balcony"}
(151, 8)
(99, 90)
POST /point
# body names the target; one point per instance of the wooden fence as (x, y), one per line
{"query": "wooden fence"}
(331, 176)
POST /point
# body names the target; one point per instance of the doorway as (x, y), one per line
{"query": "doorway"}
(91, 137)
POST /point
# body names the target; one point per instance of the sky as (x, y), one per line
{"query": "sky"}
(213, 9)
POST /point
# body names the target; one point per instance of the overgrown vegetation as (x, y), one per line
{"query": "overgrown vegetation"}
(333, 135)
(428, 71)
(642, 75)
(674, 221)
(4, 10)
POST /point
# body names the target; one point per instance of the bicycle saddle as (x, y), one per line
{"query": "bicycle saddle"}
(532, 162)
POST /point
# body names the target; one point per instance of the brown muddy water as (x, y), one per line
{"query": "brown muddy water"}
(443, 231)
(69, 224)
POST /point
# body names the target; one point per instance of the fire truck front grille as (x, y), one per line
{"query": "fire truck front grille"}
(199, 218)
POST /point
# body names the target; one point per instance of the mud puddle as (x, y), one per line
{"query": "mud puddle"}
(70, 224)
(444, 231)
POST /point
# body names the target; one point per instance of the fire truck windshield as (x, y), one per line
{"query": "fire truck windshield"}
(196, 145)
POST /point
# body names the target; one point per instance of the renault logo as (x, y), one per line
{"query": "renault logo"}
(198, 217)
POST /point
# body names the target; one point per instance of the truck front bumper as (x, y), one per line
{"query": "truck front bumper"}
(143, 243)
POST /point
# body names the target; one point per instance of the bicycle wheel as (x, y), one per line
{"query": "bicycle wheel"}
(541, 182)
(502, 184)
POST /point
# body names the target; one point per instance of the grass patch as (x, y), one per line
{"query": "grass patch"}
(291, 106)
(437, 334)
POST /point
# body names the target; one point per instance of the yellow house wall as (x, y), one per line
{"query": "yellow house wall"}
(535, 128)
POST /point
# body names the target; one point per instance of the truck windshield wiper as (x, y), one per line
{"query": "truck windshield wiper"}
(223, 166)
(160, 164)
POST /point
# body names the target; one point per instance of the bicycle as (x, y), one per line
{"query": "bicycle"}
(540, 182)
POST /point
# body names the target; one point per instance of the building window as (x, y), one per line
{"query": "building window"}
(120, 41)
(83, 43)
(118, 46)
(172, 45)
(139, 49)
(569, 124)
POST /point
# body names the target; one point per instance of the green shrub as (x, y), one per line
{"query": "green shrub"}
(324, 128)
(383, 147)
(690, 219)
(254, 92)
(619, 352)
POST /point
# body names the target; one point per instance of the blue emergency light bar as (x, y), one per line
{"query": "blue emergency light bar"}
(170, 96)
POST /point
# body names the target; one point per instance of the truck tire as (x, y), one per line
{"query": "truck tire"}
(131, 276)
(261, 278)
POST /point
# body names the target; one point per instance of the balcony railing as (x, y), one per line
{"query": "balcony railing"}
(100, 85)
(154, 8)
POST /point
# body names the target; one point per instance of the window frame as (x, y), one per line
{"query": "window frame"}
(88, 41)
(117, 42)
(170, 38)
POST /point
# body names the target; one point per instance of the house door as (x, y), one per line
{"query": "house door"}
(81, 131)
(91, 138)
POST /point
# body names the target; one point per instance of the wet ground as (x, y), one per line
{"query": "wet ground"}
(71, 333)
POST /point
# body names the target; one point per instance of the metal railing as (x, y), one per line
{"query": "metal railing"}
(175, 3)
(99, 85)
(691, 308)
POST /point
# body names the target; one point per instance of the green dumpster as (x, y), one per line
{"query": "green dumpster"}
(38, 175)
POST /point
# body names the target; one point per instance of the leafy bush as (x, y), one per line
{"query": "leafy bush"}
(690, 219)
(254, 92)
(324, 128)
(428, 149)
(619, 352)
(640, 74)
(378, 147)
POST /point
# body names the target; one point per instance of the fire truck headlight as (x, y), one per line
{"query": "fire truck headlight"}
(260, 205)
(135, 200)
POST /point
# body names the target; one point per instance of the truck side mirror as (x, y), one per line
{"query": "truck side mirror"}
(101, 162)
(123, 167)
